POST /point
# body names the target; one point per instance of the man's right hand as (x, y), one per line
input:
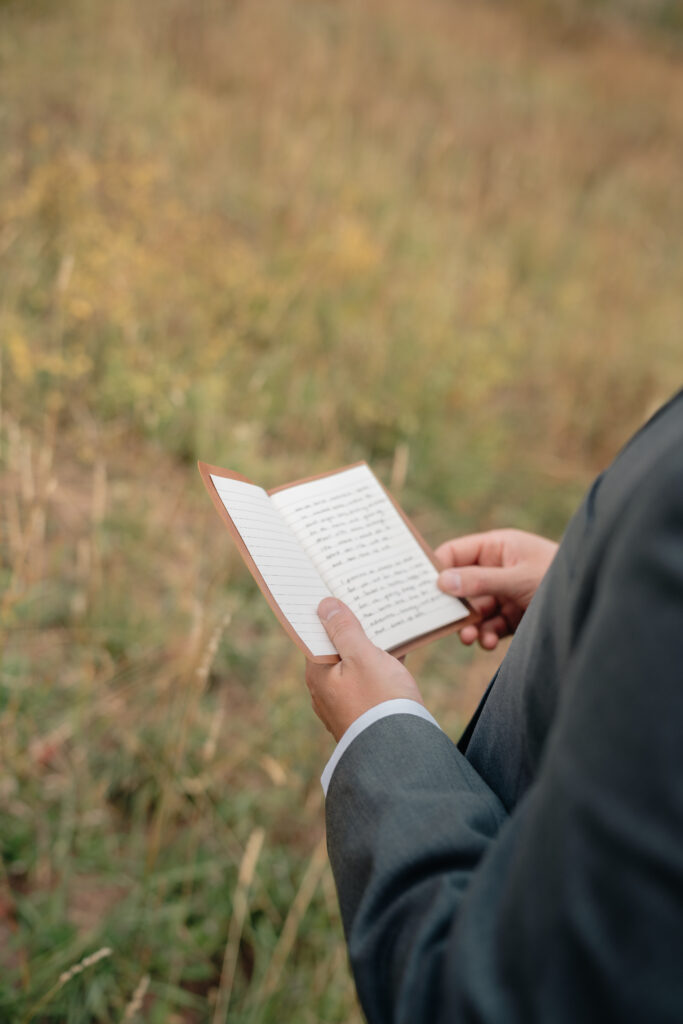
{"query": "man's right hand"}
(498, 572)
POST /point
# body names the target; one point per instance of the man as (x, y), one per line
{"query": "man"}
(534, 872)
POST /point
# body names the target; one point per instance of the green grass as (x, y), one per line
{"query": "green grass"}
(280, 241)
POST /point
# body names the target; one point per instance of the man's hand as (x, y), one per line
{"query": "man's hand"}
(499, 572)
(365, 676)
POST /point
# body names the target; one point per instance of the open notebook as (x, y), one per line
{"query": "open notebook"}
(342, 535)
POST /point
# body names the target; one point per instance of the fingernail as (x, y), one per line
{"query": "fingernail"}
(450, 580)
(328, 607)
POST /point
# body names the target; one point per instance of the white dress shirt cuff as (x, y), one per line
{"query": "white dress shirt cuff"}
(399, 706)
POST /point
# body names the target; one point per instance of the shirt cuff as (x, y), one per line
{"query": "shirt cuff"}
(399, 706)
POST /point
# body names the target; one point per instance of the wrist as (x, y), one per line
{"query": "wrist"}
(393, 706)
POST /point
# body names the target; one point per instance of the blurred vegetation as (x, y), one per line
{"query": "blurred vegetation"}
(445, 237)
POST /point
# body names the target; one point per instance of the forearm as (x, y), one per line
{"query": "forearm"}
(405, 835)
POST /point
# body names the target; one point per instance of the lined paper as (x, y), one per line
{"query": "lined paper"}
(293, 580)
(367, 555)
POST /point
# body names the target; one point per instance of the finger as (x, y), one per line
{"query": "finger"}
(316, 674)
(461, 550)
(343, 628)
(491, 632)
(468, 634)
(320, 711)
(485, 606)
(477, 581)
(512, 614)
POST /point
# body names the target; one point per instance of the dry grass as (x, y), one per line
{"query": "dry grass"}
(445, 237)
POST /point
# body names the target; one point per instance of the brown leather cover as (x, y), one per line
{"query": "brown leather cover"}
(207, 470)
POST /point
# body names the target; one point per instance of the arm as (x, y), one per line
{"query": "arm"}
(570, 909)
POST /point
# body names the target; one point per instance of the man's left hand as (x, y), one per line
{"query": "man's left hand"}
(365, 676)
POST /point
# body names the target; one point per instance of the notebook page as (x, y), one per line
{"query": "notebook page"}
(367, 556)
(293, 580)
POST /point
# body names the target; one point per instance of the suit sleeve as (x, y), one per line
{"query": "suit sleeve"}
(571, 907)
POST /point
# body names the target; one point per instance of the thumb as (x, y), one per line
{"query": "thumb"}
(343, 628)
(477, 581)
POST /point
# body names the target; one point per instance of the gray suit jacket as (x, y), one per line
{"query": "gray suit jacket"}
(536, 873)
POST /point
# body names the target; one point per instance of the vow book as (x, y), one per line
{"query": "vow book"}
(341, 535)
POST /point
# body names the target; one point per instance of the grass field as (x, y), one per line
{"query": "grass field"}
(445, 237)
